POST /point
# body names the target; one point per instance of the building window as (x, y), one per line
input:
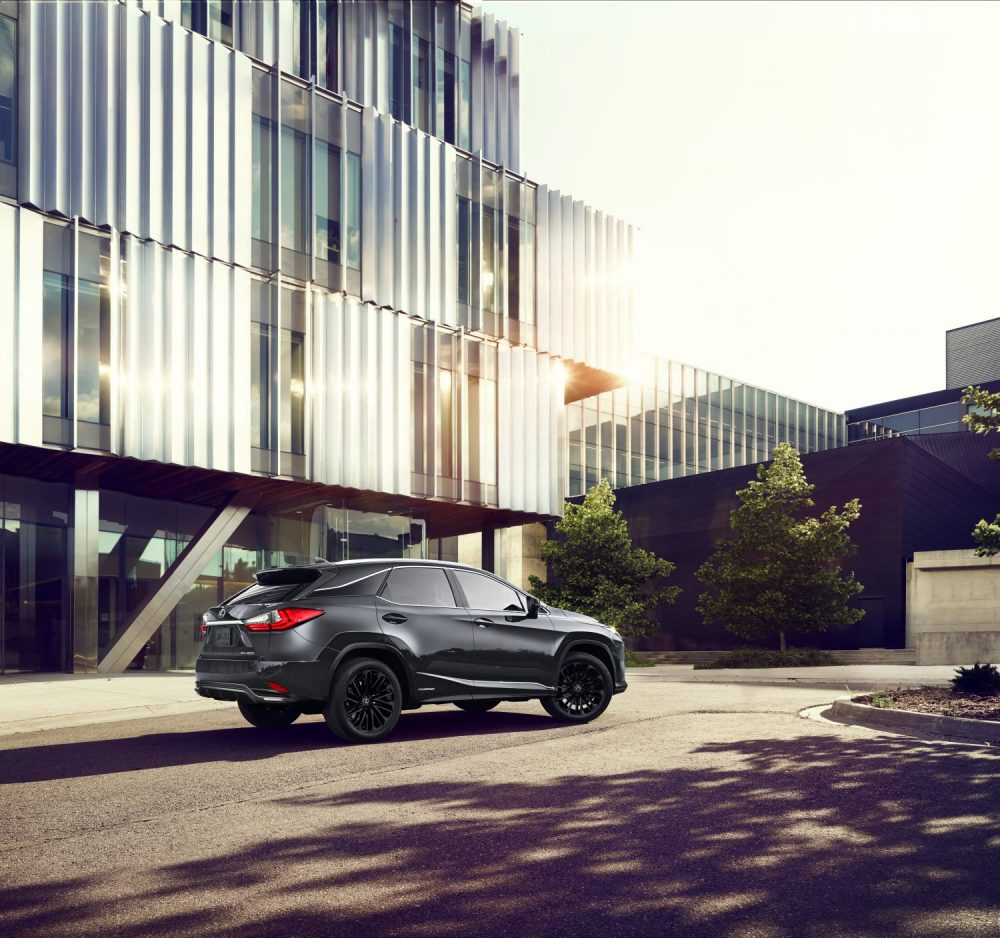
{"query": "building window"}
(464, 97)
(353, 211)
(463, 232)
(57, 321)
(327, 43)
(93, 332)
(327, 202)
(8, 89)
(445, 110)
(260, 222)
(220, 26)
(211, 18)
(301, 38)
(397, 70)
(93, 309)
(260, 384)
(194, 16)
(293, 372)
(422, 83)
(491, 244)
(294, 190)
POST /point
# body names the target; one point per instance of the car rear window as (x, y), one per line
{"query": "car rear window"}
(274, 586)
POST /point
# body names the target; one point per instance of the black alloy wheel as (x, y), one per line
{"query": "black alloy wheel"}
(365, 703)
(476, 706)
(268, 718)
(584, 690)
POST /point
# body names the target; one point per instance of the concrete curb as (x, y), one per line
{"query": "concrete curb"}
(909, 721)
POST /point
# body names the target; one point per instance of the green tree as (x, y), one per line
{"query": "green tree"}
(780, 570)
(598, 572)
(983, 416)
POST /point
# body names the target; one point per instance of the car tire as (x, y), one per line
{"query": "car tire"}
(585, 690)
(365, 701)
(477, 706)
(268, 718)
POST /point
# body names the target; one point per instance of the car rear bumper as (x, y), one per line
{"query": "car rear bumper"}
(228, 679)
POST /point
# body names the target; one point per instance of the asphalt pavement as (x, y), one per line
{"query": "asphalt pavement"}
(689, 809)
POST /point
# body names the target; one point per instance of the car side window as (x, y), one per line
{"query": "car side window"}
(419, 586)
(483, 592)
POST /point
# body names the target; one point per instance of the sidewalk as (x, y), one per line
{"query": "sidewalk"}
(50, 701)
(856, 677)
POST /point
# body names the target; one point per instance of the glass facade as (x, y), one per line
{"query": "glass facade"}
(8, 88)
(76, 336)
(35, 614)
(685, 421)
(939, 418)
(386, 352)
(454, 387)
(141, 537)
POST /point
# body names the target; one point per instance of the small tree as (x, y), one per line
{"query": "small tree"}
(598, 572)
(780, 570)
(984, 416)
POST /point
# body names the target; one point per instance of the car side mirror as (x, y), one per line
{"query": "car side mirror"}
(533, 605)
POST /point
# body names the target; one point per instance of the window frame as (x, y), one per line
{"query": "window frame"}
(521, 596)
(451, 586)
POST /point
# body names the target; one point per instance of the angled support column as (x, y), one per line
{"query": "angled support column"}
(179, 579)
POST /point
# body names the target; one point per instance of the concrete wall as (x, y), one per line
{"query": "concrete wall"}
(953, 607)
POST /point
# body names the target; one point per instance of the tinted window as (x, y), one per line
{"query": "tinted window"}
(419, 586)
(274, 586)
(364, 581)
(483, 592)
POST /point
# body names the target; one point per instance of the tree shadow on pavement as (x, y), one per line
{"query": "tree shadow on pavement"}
(816, 836)
(242, 743)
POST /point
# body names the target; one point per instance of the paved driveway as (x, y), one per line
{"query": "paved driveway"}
(688, 809)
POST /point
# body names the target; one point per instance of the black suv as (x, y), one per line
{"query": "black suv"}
(361, 640)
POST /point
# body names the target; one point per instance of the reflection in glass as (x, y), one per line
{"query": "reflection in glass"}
(260, 385)
(327, 38)
(445, 116)
(353, 209)
(489, 261)
(422, 83)
(397, 71)
(464, 97)
(94, 330)
(294, 190)
(463, 233)
(327, 202)
(57, 311)
(8, 88)
(293, 366)
(260, 211)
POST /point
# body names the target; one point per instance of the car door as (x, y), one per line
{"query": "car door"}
(419, 614)
(513, 653)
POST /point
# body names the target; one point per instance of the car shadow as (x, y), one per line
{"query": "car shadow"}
(816, 838)
(241, 743)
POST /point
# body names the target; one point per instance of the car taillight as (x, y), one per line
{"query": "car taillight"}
(279, 619)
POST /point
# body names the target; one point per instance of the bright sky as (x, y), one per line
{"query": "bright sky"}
(817, 185)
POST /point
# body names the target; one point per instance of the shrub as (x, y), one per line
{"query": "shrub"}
(981, 679)
(880, 700)
(633, 660)
(767, 658)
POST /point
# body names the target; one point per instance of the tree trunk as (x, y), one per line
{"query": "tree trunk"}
(781, 635)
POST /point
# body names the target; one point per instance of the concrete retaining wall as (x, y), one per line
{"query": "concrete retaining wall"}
(953, 607)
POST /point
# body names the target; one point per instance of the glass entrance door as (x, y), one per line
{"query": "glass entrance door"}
(34, 614)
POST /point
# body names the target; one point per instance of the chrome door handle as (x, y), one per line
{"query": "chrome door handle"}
(484, 623)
